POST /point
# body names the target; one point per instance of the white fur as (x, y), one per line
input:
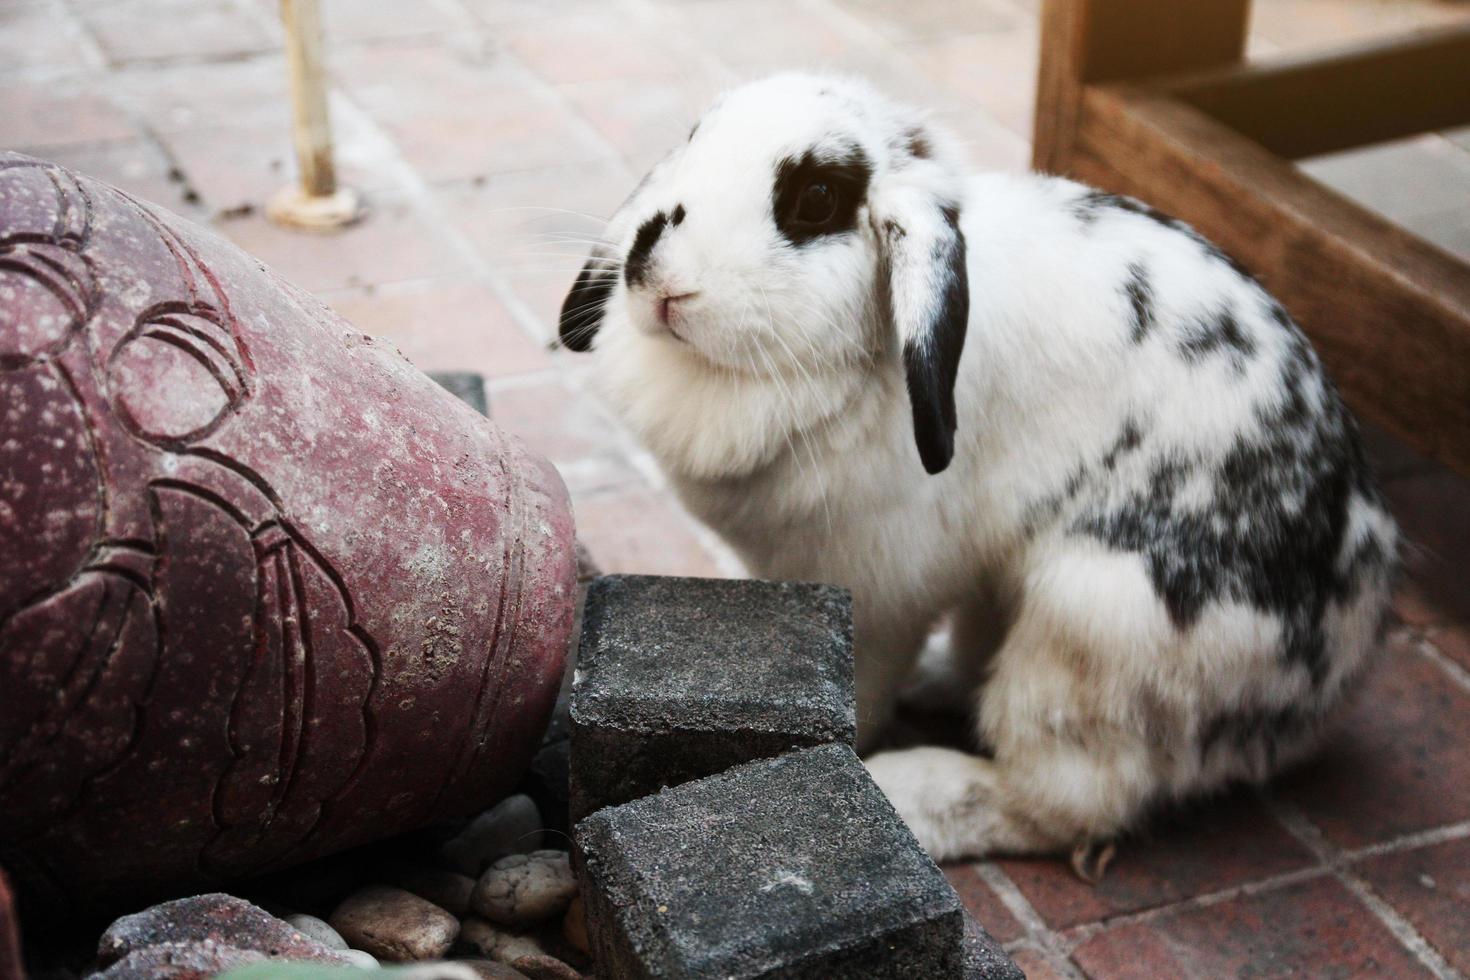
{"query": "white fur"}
(776, 401)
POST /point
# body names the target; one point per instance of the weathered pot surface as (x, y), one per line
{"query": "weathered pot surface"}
(267, 592)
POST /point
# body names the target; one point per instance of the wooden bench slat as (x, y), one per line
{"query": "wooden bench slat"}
(1304, 106)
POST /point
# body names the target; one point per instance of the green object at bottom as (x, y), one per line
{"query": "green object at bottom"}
(276, 970)
(281, 970)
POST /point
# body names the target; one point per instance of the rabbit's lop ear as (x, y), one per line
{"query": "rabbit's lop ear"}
(928, 291)
(581, 311)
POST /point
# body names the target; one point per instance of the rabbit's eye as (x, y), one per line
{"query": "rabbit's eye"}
(817, 205)
(814, 199)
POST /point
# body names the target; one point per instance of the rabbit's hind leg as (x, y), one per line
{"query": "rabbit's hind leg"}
(1049, 795)
(1080, 750)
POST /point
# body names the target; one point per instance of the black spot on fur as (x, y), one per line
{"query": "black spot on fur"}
(1045, 510)
(677, 218)
(1278, 313)
(1257, 734)
(1218, 333)
(846, 172)
(1128, 440)
(635, 269)
(918, 144)
(581, 311)
(1271, 529)
(1140, 301)
(1094, 204)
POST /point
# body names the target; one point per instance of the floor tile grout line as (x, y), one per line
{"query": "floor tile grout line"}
(642, 462)
(719, 70)
(419, 195)
(1409, 842)
(865, 34)
(1070, 937)
(391, 288)
(1402, 929)
(103, 70)
(486, 39)
(418, 192)
(646, 466)
(1425, 647)
(1043, 938)
(1075, 935)
(93, 54)
(1307, 833)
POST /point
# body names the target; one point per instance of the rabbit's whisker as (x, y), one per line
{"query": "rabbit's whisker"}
(815, 476)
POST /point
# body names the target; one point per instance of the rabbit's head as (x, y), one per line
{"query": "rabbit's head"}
(807, 225)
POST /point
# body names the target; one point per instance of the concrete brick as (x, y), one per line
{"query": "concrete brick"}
(791, 867)
(467, 386)
(983, 958)
(679, 678)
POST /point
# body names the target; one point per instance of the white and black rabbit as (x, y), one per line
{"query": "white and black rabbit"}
(1054, 414)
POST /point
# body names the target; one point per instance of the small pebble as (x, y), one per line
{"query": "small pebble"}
(491, 970)
(496, 943)
(525, 889)
(545, 968)
(437, 971)
(197, 958)
(210, 917)
(361, 958)
(512, 826)
(446, 889)
(393, 924)
(574, 927)
(313, 928)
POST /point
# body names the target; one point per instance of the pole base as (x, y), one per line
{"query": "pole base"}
(294, 208)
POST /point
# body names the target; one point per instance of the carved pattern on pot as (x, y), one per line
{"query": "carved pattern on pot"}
(153, 549)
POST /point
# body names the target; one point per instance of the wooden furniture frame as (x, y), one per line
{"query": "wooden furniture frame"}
(1153, 98)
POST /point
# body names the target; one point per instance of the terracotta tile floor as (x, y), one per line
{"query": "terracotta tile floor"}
(491, 135)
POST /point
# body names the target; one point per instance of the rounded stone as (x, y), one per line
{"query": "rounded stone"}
(497, 943)
(443, 970)
(525, 889)
(512, 826)
(222, 919)
(10, 956)
(447, 889)
(574, 927)
(544, 967)
(181, 961)
(269, 592)
(393, 924)
(313, 928)
(362, 958)
(492, 970)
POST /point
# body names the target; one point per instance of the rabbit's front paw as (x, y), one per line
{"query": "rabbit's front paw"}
(947, 798)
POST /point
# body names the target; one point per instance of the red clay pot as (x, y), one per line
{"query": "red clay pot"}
(267, 592)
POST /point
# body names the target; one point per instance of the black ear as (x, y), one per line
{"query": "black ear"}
(581, 311)
(929, 301)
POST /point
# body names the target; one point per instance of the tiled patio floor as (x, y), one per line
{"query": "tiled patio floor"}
(489, 136)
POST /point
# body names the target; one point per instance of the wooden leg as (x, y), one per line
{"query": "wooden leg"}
(1088, 41)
